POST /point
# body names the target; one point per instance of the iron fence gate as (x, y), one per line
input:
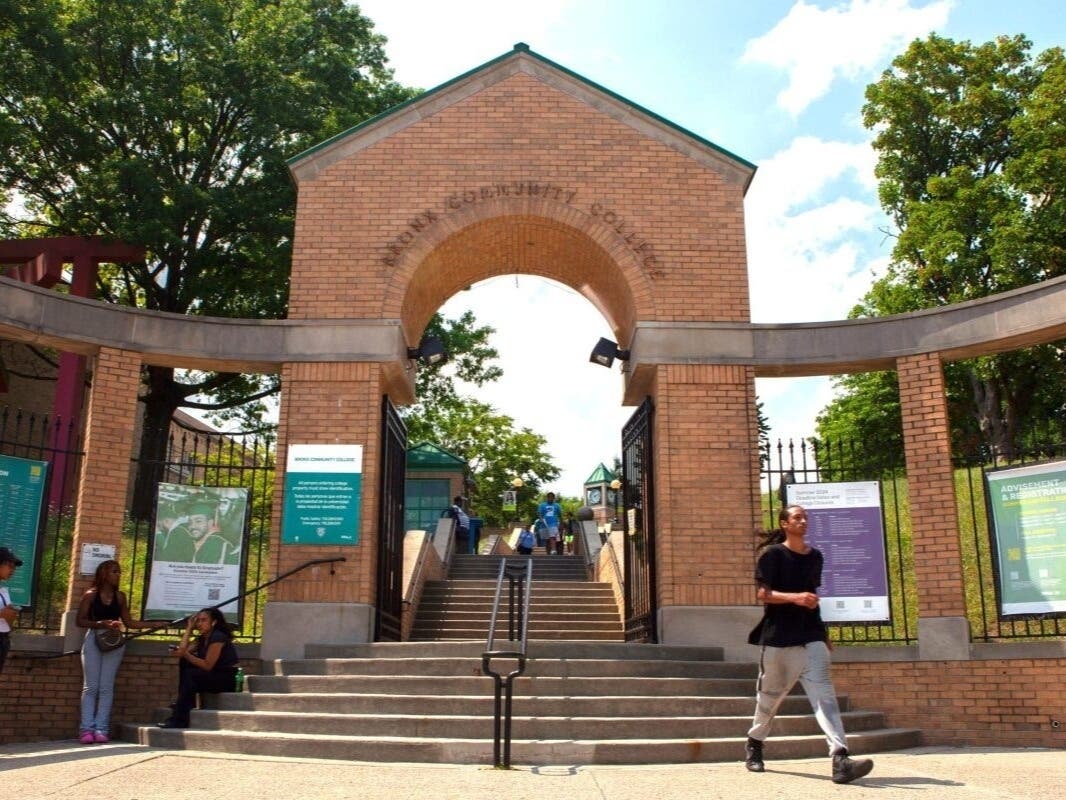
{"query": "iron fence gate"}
(194, 457)
(818, 461)
(639, 525)
(391, 524)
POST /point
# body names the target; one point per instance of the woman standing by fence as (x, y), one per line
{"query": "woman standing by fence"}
(103, 608)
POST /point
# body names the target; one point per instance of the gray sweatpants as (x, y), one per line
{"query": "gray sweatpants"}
(779, 670)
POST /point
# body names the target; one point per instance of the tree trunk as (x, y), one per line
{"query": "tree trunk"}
(998, 424)
(160, 403)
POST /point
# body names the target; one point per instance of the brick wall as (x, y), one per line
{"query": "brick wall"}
(976, 703)
(930, 478)
(706, 471)
(105, 468)
(41, 700)
(522, 176)
(331, 404)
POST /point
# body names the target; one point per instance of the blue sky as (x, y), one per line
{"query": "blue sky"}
(777, 82)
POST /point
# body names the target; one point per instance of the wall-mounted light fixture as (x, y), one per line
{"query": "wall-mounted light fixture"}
(430, 351)
(606, 351)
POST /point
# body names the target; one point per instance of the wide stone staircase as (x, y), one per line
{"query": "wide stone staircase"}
(564, 604)
(579, 702)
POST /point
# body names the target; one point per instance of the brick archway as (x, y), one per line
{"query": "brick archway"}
(537, 237)
(521, 166)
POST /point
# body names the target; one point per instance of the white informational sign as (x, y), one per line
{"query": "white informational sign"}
(323, 492)
(93, 555)
(844, 521)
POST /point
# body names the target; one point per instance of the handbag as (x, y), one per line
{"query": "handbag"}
(108, 639)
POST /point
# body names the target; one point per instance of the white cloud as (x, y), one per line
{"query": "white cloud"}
(801, 246)
(817, 46)
(434, 42)
(809, 215)
(544, 333)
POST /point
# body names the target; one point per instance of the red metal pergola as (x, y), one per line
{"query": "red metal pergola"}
(40, 262)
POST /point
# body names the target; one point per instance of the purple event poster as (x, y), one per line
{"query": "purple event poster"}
(846, 524)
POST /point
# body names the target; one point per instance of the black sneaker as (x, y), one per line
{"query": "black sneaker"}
(845, 769)
(753, 750)
(171, 722)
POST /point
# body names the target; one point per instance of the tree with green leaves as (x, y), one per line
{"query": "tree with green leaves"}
(168, 125)
(495, 449)
(971, 143)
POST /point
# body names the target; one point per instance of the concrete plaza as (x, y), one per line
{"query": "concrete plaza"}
(122, 771)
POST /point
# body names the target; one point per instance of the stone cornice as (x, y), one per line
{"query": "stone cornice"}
(1027, 316)
(32, 315)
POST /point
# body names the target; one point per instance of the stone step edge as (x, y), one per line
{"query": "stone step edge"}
(460, 718)
(687, 741)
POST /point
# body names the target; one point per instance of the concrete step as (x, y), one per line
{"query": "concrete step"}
(474, 727)
(559, 614)
(480, 634)
(458, 666)
(580, 703)
(614, 651)
(465, 607)
(540, 588)
(523, 686)
(481, 704)
(523, 751)
(553, 575)
(538, 626)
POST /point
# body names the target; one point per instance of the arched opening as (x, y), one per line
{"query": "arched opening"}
(581, 253)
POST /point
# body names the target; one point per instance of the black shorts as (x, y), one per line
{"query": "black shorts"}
(5, 647)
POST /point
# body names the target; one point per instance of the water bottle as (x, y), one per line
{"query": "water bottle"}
(238, 680)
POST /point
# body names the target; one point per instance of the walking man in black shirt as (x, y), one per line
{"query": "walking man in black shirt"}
(795, 643)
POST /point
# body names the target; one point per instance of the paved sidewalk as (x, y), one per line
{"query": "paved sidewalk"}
(126, 772)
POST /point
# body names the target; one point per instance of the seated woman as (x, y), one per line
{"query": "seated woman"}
(208, 665)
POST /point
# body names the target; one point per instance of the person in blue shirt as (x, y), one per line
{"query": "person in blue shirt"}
(551, 513)
(526, 540)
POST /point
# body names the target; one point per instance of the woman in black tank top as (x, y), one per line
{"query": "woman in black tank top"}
(103, 606)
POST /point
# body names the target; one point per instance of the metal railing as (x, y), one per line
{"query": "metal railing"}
(181, 620)
(521, 588)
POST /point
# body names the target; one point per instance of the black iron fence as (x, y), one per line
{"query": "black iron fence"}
(190, 457)
(812, 461)
(195, 457)
(986, 624)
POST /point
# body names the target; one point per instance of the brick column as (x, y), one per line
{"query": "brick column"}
(706, 496)
(943, 632)
(326, 403)
(105, 469)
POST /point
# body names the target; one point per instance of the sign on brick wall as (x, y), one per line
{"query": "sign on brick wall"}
(323, 489)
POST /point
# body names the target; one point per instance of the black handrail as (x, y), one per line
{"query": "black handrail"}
(517, 631)
(180, 620)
